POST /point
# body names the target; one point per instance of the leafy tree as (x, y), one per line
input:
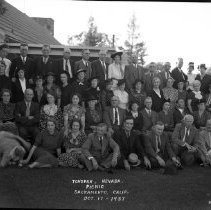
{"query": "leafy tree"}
(133, 44)
(92, 37)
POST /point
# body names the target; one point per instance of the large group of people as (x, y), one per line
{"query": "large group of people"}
(99, 115)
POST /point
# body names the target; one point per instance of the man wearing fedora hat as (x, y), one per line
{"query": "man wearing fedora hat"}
(84, 64)
(115, 69)
(133, 72)
(100, 68)
(97, 149)
(65, 63)
(185, 139)
(158, 148)
(130, 143)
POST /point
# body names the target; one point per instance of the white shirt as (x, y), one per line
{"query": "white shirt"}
(181, 110)
(115, 72)
(23, 84)
(103, 64)
(148, 111)
(186, 130)
(158, 142)
(85, 62)
(8, 64)
(23, 59)
(191, 79)
(123, 98)
(69, 67)
(115, 116)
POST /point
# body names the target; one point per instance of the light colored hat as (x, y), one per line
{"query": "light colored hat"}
(133, 160)
(66, 49)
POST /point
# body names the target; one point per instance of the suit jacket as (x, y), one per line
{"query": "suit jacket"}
(165, 147)
(179, 133)
(105, 98)
(163, 78)
(20, 114)
(42, 69)
(167, 120)
(80, 65)
(133, 144)
(178, 76)
(201, 121)
(108, 116)
(28, 66)
(98, 70)
(92, 147)
(132, 74)
(157, 102)
(178, 116)
(60, 67)
(204, 143)
(17, 92)
(148, 121)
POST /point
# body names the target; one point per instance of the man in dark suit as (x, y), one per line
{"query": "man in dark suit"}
(148, 78)
(45, 63)
(130, 142)
(113, 116)
(23, 62)
(148, 115)
(100, 69)
(97, 149)
(133, 72)
(27, 117)
(84, 64)
(185, 140)
(178, 75)
(158, 148)
(165, 74)
(65, 63)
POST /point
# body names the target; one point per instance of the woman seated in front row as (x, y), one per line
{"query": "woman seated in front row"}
(46, 149)
(72, 144)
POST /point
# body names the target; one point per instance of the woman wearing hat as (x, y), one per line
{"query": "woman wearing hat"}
(50, 86)
(115, 69)
(122, 94)
(201, 116)
(93, 114)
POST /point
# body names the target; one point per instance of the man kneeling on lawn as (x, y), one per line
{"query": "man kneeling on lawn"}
(97, 149)
(158, 148)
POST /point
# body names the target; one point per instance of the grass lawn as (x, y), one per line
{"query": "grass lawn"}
(53, 188)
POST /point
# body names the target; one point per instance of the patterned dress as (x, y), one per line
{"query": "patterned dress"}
(139, 97)
(45, 114)
(73, 114)
(172, 95)
(70, 159)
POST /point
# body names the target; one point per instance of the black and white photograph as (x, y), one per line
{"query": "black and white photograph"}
(105, 105)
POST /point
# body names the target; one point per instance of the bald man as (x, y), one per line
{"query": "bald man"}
(27, 117)
(185, 140)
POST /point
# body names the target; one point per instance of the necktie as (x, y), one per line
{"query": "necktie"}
(24, 60)
(101, 141)
(66, 66)
(104, 69)
(116, 117)
(127, 134)
(86, 64)
(27, 109)
(157, 144)
(149, 112)
(186, 135)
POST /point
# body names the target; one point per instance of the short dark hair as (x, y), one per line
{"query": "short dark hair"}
(128, 117)
(76, 94)
(133, 102)
(136, 81)
(52, 93)
(5, 91)
(159, 123)
(76, 120)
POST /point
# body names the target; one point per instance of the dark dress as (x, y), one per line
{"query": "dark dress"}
(66, 93)
(138, 97)
(71, 159)
(47, 145)
(40, 97)
(79, 87)
(194, 100)
(105, 98)
(157, 102)
(92, 118)
(5, 83)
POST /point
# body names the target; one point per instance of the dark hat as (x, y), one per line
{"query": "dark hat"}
(202, 66)
(167, 100)
(200, 101)
(38, 77)
(80, 70)
(121, 81)
(91, 98)
(170, 169)
(50, 74)
(115, 54)
(191, 64)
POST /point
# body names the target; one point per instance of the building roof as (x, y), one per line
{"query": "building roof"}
(20, 27)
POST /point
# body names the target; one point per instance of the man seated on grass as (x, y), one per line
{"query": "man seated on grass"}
(130, 142)
(12, 148)
(97, 150)
(158, 148)
(185, 140)
(205, 144)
